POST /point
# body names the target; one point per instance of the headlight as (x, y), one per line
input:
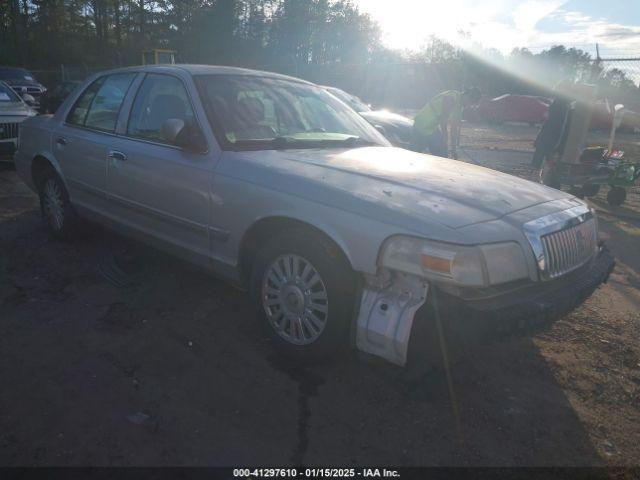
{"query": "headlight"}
(478, 266)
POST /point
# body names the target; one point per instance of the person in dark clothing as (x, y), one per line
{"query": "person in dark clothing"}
(554, 129)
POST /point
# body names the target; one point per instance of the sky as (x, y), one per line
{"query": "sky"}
(506, 24)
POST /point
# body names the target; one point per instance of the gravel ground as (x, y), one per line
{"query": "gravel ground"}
(112, 353)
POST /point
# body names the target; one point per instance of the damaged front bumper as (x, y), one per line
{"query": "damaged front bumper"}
(387, 310)
(392, 301)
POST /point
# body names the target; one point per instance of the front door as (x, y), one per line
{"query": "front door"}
(157, 188)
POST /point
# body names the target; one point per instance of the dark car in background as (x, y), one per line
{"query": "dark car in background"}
(54, 97)
(354, 102)
(22, 82)
(397, 128)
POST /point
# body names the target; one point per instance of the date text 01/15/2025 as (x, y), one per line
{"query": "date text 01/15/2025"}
(315, 473)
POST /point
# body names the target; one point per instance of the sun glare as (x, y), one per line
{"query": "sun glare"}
(408, 24)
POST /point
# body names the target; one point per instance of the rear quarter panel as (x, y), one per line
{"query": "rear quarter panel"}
(35, 140)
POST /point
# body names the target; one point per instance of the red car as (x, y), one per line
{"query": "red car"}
(513, 108)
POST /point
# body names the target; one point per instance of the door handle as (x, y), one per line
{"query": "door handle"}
(115, 155)
(61, 141)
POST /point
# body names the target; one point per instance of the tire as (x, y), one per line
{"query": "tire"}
(56, 209)
(304, 291)
(590, 189)
(616, 196)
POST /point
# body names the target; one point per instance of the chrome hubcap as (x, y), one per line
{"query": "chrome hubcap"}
(295, 299)
(53, 205)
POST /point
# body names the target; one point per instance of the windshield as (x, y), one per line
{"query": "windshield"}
(7, 94)
(255, 113)
(15, 74)
(351, 100)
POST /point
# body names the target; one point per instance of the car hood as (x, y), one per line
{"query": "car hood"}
(412, 185)
(14, 109)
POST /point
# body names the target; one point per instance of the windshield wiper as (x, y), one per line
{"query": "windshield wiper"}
(289, 142)
(357, 141)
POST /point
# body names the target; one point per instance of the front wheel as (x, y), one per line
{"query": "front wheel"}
(304, 290)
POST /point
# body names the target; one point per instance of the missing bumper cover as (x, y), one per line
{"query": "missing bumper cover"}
(387, 310)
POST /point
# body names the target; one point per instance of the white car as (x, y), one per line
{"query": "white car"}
(13, 111)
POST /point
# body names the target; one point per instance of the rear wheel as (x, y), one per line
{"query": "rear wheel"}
(304, 290)
(56, 208)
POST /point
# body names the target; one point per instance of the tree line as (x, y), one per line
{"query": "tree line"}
(46, 33)
(327, 41)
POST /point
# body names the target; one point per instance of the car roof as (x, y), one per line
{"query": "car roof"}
(193, 69)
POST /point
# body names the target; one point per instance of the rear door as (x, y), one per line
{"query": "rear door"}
(158, 188)
(81, 141)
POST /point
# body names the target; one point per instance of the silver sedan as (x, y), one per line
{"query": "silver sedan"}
(279, 187)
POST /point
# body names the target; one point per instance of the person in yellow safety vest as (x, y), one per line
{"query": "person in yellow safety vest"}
(438, 123)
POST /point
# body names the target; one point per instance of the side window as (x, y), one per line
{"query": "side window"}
(79, 111)
(159, 98)
(104, 110)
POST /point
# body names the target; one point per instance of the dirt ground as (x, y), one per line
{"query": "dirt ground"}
(112, 353)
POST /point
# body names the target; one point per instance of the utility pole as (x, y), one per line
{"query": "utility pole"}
(596, 70)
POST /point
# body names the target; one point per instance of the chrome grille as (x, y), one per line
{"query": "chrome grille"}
(8, 130)
(564, 240)
(567, 249)
(35, 91)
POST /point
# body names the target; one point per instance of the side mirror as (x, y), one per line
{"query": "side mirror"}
(172, 129)
(176, 132)
(29, 100)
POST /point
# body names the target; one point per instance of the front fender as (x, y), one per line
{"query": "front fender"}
(237, 205)
(326, 228)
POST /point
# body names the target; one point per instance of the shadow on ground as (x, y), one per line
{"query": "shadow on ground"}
(114, 354)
